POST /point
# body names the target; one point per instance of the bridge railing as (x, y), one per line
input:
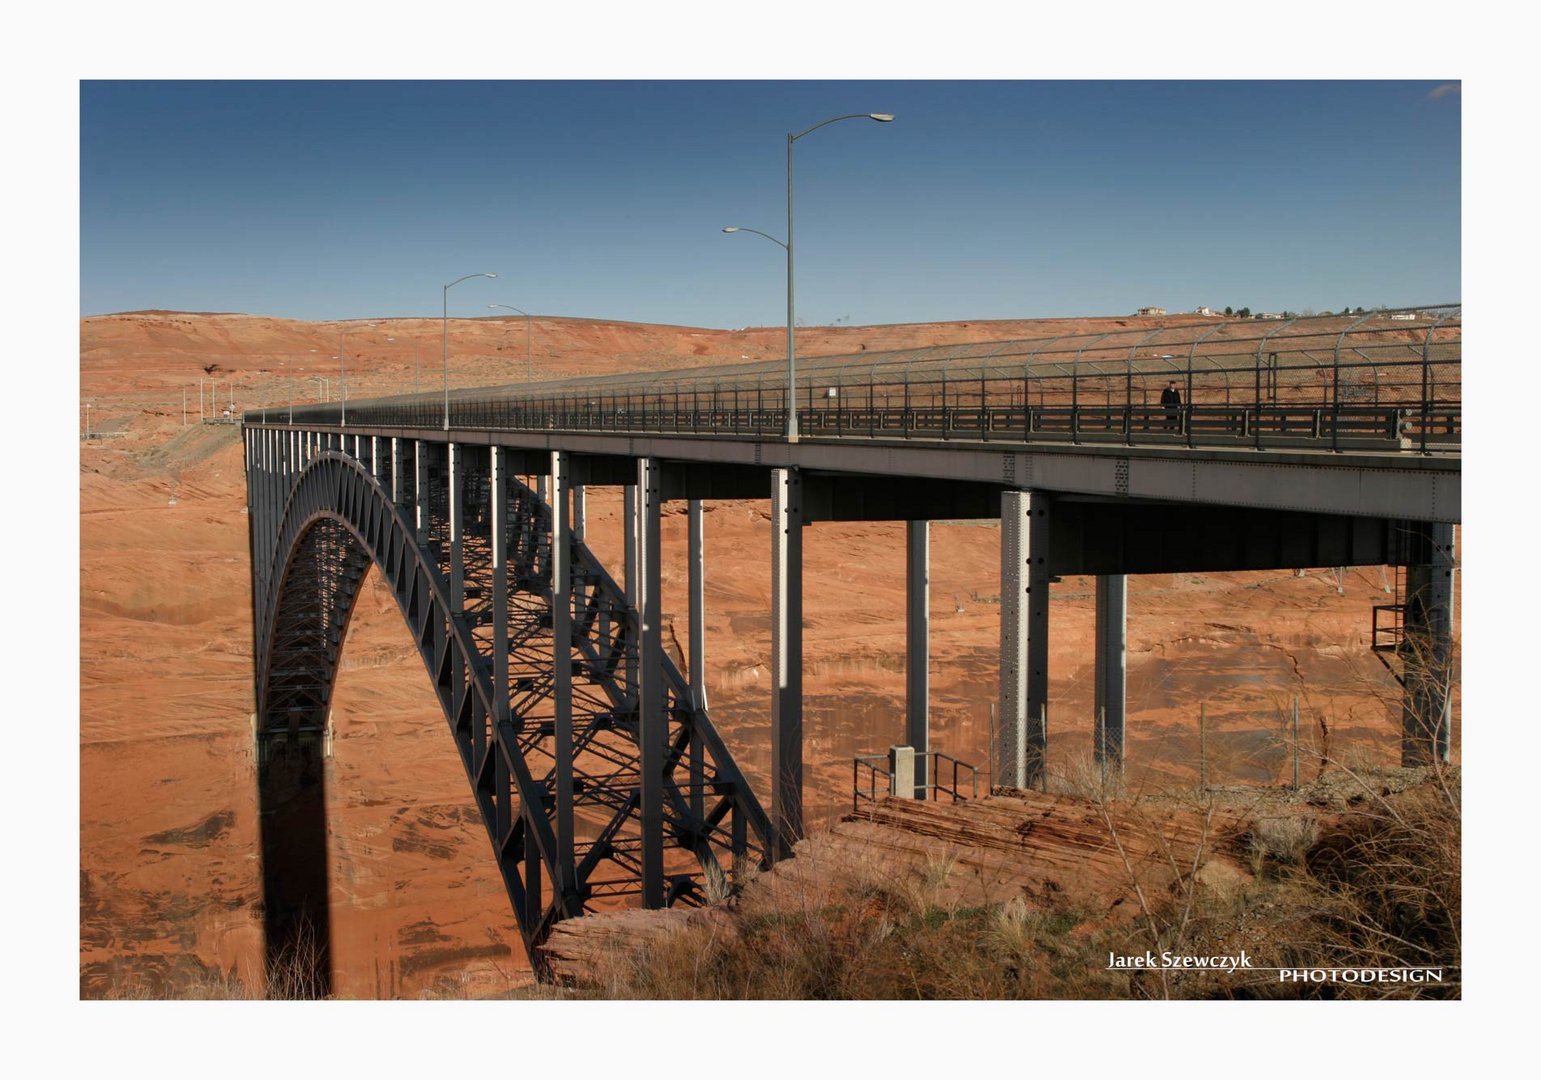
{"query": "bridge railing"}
(1387, 379)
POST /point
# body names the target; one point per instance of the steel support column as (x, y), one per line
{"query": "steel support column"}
(562, 656)
(629, 569)
(457, 576)
(917, 638)
(1111, 668)
(786, 660)
(580, 514)
(1427, 655)
(652, 721)
(1022, 741)
(420, 490)
(697, 576)
(498, 493)
(274, 494)
(629, 528)
(396, 485)
(291, 800)
(260, 465)
(697, 559)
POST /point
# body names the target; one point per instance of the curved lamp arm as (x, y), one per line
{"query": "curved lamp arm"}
(447, 288)
(757, 232)
(882, 118)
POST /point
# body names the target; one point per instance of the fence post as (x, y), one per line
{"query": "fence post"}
(991, 763)
(1043, 752)
(1203, 761)
(901, 771)
(1097, 737)
(1295, 739)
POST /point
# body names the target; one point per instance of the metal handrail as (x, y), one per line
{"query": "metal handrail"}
(876, 765)
(1413, 358)
(935, 787)
(928, 762)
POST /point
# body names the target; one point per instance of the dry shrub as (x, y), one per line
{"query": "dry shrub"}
(301, 971)
(872, 939)
(1282, 839)
(1375, 886)
(1388, 882)
(1082, 776)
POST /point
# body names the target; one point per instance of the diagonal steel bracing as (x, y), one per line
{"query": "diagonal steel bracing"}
(531, 656)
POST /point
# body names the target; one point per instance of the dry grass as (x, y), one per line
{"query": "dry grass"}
(1387, 881)
(1373, 884)
(818, 929)
(298, 973)
(1374, 881)
(870, 943)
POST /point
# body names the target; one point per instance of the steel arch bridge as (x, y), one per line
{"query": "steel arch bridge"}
(595, 767)
(1327, 442)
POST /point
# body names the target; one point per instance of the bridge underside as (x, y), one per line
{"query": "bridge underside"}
(596, 771)
(592, 758)
(1361, 483)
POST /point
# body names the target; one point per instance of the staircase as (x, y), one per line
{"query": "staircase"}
(1388, 629)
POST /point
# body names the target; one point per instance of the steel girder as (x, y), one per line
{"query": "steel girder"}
(312, 545)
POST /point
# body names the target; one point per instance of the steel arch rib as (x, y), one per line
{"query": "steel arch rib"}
(357, 521)
(333, 486)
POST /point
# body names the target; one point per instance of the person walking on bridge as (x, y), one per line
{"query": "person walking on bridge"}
(1172, 402)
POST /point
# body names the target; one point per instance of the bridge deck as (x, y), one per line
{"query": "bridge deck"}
(1422, 487)
(1354, 414)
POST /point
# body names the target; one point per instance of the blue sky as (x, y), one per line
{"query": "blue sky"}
(983, 200)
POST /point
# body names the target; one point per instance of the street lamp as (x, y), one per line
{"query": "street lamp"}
(529, 363)
(342, 364)
(882, 118)
(390, 340)
(447, 288)
(289, 378)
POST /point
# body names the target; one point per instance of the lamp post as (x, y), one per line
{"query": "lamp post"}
(447, 288)
(882, 118)
(289, 378)
(342, 366)
(529, 363)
